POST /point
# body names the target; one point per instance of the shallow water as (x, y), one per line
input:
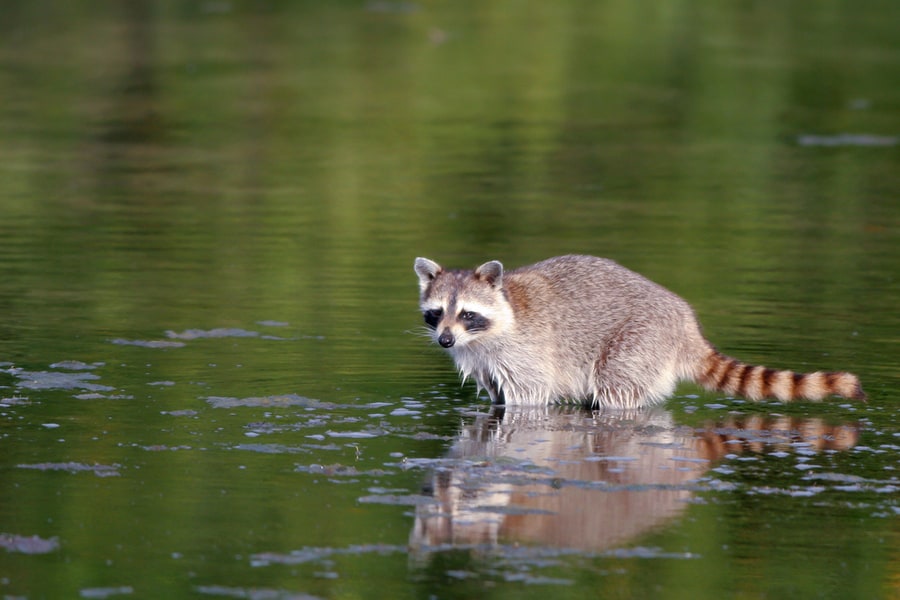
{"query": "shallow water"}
(212, 382)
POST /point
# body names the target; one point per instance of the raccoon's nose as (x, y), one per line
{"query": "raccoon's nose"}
(446, 339)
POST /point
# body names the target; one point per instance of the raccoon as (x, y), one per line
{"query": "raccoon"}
(582, 328)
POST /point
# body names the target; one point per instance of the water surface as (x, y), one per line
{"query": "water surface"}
(212, 382)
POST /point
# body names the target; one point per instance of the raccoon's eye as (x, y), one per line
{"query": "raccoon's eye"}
(474, 321)
(433, 316)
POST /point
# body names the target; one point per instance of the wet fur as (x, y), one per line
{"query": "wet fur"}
(587, 329)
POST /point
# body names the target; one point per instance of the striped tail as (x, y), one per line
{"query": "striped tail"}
(722, 373)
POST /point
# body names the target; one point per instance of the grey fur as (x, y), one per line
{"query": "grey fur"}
(587, 329)
(568, 328)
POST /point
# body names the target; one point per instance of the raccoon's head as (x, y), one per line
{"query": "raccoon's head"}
(463, 307)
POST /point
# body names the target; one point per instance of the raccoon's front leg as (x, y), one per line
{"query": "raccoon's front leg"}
(493, 390)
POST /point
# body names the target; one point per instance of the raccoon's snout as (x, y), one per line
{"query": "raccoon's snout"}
(446, 339)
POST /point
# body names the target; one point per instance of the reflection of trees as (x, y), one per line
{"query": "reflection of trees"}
(257, 145)
(133, 116)
(570, 478)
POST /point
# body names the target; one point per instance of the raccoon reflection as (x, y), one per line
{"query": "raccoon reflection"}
(571, 478)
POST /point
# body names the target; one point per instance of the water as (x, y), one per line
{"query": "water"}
(211, 378)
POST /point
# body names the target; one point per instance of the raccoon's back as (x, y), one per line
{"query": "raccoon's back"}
(576, 287)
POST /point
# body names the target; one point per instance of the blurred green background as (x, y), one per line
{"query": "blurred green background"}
(168, 166)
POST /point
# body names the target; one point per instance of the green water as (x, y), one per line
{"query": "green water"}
(211, 378)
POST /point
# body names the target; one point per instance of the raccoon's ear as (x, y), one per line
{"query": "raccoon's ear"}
(491, 272)
(427, 270)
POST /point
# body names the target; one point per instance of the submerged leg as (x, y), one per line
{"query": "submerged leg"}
(488, 384)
